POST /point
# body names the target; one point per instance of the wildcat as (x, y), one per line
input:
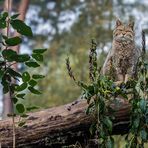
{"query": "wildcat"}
(121, 61)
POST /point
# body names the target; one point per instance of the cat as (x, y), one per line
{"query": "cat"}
(121, 61)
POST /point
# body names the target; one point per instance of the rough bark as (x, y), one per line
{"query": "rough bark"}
(60, 126)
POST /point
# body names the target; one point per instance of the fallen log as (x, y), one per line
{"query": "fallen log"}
(60, 126)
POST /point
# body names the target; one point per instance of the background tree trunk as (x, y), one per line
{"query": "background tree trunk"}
(59, 126)
(7, 104)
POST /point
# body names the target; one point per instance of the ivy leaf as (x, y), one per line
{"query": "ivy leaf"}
(32, 64)
(32, 83)
(15, 16)
(34, 91)
(13, 41)
(21, 27)
(20, 108)
(38, 57)
(21, 87)
(35, 76)
(23, 58)
(25, 76)
(39, 51)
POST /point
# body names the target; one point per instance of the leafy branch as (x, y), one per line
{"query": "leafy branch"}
(16, 83)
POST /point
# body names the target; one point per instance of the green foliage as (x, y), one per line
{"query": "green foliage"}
(14, 82)
(21, 27)
(139, 102)
(97, 93)
(102, 90)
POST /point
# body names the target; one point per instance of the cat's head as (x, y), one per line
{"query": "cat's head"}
(123, 33)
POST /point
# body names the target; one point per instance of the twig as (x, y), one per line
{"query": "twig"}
(70, 72)
(143, 44)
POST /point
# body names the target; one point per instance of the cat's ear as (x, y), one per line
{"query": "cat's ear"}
(131, 25)
(118, 23)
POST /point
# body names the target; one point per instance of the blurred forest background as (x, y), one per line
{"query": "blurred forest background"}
(66, 27)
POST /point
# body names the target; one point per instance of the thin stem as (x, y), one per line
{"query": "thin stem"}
(11, 95)
(8, 21)
(13, 130)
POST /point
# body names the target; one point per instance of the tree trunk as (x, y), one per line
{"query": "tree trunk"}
(7, 104)
(60, 126)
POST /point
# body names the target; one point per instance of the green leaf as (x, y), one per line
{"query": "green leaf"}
(5, 84)
(108, 123)
(110, 143)
(35, 76)
(6, 79)
(25, 76)
(5, 15)
(92, 128)
(21, 87)
(20, 108)
(143, 135)
(2, 24)
(39, 51)
(32, 64)
(13, 41)
(21, 124)
(37, 57)
(32, 83)
(142, 105)
(14, 99)
(23, 58)
(81, 84)
(21, 27)
(15, 16)
(32, 108)
(13, 73)
(20, 95)
(1, 73)
(89, 108)
(136, 122)
(24, 115)
(10, 55)
(34, 91)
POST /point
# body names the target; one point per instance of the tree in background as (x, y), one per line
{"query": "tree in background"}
(66, 28)
(22, 9)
